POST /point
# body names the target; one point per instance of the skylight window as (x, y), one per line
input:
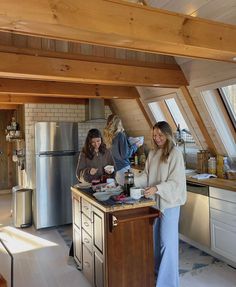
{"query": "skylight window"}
(157, 112)
(174, 113)
(228, 95)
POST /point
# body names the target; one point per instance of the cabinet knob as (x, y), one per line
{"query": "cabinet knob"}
(86, 224)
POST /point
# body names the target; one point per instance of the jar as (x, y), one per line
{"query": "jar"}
(212, 165)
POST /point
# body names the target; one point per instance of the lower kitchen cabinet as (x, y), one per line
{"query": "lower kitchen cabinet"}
(114, 248)
(223, 222)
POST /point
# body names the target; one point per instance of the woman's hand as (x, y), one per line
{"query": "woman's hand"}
(149, 191)
(93, 171)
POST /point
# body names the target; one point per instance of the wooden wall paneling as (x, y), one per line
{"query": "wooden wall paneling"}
(86, 49)
(61, 46)
(123, 25)
(48, 44)
(19, 41)
(74, 48)
(198, 119)
(133, 119)
(54, 69)
(109, 52)
(140, 103)
(34, 43)
(5, 38)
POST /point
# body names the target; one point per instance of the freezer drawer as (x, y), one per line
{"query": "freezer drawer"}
(52, 197)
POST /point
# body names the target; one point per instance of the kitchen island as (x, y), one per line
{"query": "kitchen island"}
(113, 243)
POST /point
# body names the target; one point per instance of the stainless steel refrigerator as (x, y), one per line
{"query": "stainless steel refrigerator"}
(56, 146)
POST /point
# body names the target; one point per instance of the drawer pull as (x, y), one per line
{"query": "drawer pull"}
(86, 224)
(86, 240)
(86, 207)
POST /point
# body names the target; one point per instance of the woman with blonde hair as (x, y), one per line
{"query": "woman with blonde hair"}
(115, 139)
(164, 180)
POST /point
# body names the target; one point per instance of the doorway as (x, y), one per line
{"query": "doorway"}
(7, 166)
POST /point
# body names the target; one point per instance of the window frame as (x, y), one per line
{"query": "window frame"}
(230, 112)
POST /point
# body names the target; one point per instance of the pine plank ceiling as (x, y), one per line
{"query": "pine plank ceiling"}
(32, 40)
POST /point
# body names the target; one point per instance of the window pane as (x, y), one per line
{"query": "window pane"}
(176, 113)
(157, 112)
(229, 97)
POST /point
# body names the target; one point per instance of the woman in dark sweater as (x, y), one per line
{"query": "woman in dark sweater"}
(121, 149)
(93, 158)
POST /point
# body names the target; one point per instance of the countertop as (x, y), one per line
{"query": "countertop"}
(108, 205)
(215, 182)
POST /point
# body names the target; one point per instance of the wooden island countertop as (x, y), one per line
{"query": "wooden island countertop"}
(111, 207)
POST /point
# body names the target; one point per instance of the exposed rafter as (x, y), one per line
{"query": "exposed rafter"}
(65, 90)
(65, 70)
(7, 99)
(120, 24)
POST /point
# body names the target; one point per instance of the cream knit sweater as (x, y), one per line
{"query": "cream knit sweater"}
(169, 178)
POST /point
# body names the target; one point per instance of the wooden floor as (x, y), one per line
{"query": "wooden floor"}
(40, 257)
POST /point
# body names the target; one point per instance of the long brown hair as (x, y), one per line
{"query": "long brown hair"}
(88, 149)
(165, 128)
(113, 127)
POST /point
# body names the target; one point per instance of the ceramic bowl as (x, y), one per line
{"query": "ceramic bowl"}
(102, 196)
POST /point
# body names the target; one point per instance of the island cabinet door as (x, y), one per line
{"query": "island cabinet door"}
(130, 247)
(98, 247)
(77, 241)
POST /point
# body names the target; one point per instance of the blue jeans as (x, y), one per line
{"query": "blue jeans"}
(166, 248)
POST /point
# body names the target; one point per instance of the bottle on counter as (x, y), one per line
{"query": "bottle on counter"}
(212, 165)
(226, 166)
(142, 159)
(136, 159)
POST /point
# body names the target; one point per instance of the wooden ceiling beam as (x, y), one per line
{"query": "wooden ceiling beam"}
(66, 70)
(19, 99)
(120, 24)
(66, 90)
(8, 106)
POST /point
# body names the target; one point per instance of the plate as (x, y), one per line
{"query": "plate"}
(83, 185)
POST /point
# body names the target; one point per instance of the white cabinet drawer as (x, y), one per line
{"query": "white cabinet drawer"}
(223, 238)
(223, 194)
(88, 264)
(87, 224)
(223, 205)
(87, 208)
(224, 217)
(87, 240)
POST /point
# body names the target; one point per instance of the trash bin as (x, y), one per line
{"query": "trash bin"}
(22, 206)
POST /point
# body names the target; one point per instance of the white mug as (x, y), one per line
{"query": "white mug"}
(136, 192)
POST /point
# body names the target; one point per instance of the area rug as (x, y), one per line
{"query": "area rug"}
(65, 232)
